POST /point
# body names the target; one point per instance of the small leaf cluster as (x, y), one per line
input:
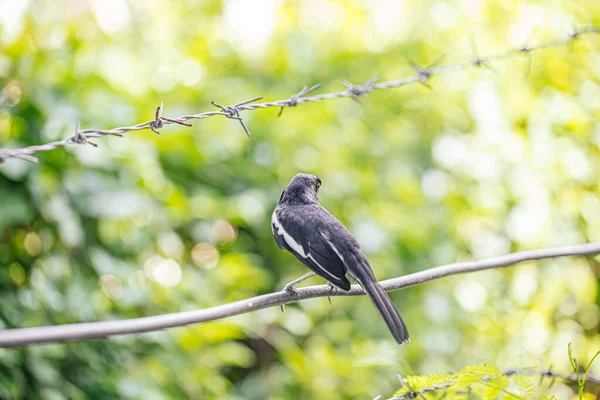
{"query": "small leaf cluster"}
(482, 381)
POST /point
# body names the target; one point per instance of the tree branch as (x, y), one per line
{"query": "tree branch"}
(97, 330)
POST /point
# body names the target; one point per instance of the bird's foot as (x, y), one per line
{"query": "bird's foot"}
(333, 290)
(288, 288)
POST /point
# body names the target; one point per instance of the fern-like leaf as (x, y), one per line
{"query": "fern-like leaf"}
(486, 382)
(524, 385)
(416, 383)
(572, 359)
(475, 373)
(483, 381)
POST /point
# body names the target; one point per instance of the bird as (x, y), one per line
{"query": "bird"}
(303, 227)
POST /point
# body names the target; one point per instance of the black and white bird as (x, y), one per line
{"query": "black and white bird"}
(321, 242)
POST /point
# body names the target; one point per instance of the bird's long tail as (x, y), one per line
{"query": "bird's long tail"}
(366, 278)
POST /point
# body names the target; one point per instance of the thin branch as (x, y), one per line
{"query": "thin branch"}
(96, 330)
(422, 76)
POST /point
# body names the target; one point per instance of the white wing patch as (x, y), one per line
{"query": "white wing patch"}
(323, 269)
(297, 247)
(335, 249)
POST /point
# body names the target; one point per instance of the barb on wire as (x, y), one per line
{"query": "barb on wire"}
(575, 33)
(479, 61)
(424, 73)
(354, 92)
(83, 136)
(526, 51)
(233, 112)
(549, 373)
(79, 138)
(293, 101)
(159, 120)
(412, 394)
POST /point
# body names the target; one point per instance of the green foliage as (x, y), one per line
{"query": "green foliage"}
(483, 381)
(575, 366)
(589, 367)
(484, 164)
(524, 385)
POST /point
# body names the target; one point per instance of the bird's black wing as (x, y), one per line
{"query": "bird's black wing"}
(302, 232)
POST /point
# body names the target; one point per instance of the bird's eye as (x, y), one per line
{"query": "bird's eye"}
(318, 183)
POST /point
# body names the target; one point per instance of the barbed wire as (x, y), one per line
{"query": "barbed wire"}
(542, 373)
(422, 76)
(551, 374)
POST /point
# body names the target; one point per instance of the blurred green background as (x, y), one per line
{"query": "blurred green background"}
(485, 163)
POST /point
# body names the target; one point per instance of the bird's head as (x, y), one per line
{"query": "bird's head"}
(302, 189)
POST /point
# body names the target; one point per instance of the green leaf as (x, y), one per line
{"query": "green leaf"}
(573, 361)
(587, 371)
(524, 385)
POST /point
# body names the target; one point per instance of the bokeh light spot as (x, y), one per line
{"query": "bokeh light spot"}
(188, 73)
(205, 255)
(111, 286)
(435, 184)
(111, 15)
(170, 244)
(32, 244)
(164, 271)
(223, 233)
(17, 273)
(471, 295)
(248, 25)
(11, 94)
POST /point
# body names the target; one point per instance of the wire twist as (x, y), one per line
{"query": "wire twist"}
(293, 101)
(355, 91)
(159, 120)
(233, 112)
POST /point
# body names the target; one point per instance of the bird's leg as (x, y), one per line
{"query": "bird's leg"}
(334, 291)
(290, 286)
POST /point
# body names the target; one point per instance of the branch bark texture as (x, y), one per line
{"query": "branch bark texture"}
(99, 330)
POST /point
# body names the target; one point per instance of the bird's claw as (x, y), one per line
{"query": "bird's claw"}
(334, 291)
(288, 288)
